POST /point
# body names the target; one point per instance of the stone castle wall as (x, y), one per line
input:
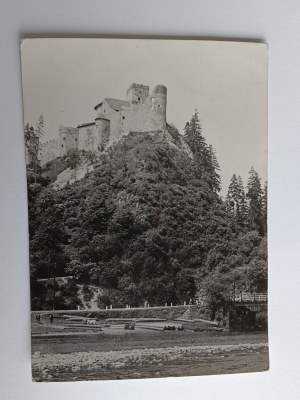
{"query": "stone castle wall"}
(86, 137)
(67, 140)
(48, 151)
(102, 132)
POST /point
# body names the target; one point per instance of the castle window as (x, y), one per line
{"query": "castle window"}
(123, 117)
(62, 145)
(139, 98)
(75, 139)
(158, 105)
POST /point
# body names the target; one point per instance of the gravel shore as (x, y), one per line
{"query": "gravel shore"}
(45, 366)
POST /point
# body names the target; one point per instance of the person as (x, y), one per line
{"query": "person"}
(51, 318)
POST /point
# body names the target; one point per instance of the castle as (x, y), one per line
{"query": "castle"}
(140, 112)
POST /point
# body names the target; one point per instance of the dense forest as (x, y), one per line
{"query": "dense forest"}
(147, 223)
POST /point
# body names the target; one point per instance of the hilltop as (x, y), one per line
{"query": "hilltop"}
(144, 222)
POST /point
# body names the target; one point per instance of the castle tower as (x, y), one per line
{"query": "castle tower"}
(102, 131)
(137, 93)
(86, 133)
(159, 106)
(67, 140)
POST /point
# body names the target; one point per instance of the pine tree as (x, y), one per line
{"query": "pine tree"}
(235, 200)
(211, 165)
(40, 126)
(265, 209)
(204, 156)
(255, 206)
(32, 146)
(193, 135)
(242, 204)
(231, 198)
(38, 132)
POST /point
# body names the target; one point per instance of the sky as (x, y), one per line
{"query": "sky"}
(227, 83)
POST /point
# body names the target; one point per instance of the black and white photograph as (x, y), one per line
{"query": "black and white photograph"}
(146, 166)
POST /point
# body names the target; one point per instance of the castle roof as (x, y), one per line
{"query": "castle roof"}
(86, 124)
(115, 104)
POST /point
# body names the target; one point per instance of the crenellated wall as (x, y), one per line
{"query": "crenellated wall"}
(137, 92)
(48, 151)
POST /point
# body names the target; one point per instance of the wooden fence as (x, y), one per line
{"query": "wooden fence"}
(250, 297)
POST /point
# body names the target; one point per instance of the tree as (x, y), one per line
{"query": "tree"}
(32, 146)
(236, 201)
(231, 198)
(40, 126)
(75, 268)
(82, 272)
(204, 155)
(212, 166)
(265, 209)
(216, 290)
(193, 134)
(97, 212)
(73, 160)
(185, 285)
(32, 143)
(254, 197)
(129, 293)
(39, 132)
(257, 270)
(47, 244)
(242, 204)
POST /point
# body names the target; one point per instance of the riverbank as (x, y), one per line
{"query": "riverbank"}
(145, 355)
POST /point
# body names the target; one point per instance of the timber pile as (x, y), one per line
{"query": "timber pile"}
(151, 327)
(137, 320)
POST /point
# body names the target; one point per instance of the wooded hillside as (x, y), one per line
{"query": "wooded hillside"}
(147, 224)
